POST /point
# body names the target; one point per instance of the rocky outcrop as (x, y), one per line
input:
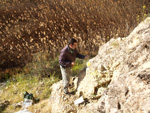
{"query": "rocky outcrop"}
(59, 102)
(129, 60)
(119, 77)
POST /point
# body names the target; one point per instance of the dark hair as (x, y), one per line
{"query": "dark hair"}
(72, 41)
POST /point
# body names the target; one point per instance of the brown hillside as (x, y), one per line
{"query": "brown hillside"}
(29, 26)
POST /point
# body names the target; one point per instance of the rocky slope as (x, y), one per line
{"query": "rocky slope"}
(123, 65)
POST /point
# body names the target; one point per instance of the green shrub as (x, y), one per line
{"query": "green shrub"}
(79, 65)
(43, 65)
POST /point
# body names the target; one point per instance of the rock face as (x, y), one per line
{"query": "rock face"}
(59, 102)
(119, 76)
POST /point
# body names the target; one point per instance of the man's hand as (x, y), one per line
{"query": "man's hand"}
(86, 57)
(73, 63)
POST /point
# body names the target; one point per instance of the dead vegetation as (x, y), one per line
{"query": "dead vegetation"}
(30, 26)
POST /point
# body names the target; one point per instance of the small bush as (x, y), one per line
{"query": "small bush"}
(7, 73)
(79, 65)
(43, 65)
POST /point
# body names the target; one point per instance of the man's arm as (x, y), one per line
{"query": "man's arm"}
(80, 56)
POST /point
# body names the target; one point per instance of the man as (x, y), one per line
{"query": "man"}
(67, 61)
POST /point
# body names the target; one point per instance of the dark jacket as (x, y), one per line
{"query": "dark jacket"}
(67, 56)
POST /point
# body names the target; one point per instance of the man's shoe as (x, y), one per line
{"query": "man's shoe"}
(71, 85)
(66, 92)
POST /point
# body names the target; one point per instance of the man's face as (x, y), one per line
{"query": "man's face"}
(73, 46)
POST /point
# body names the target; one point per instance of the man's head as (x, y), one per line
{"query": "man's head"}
(72, 43)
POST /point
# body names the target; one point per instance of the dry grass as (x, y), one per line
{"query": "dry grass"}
(15, 89)
(42, 107)
(29, 26)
